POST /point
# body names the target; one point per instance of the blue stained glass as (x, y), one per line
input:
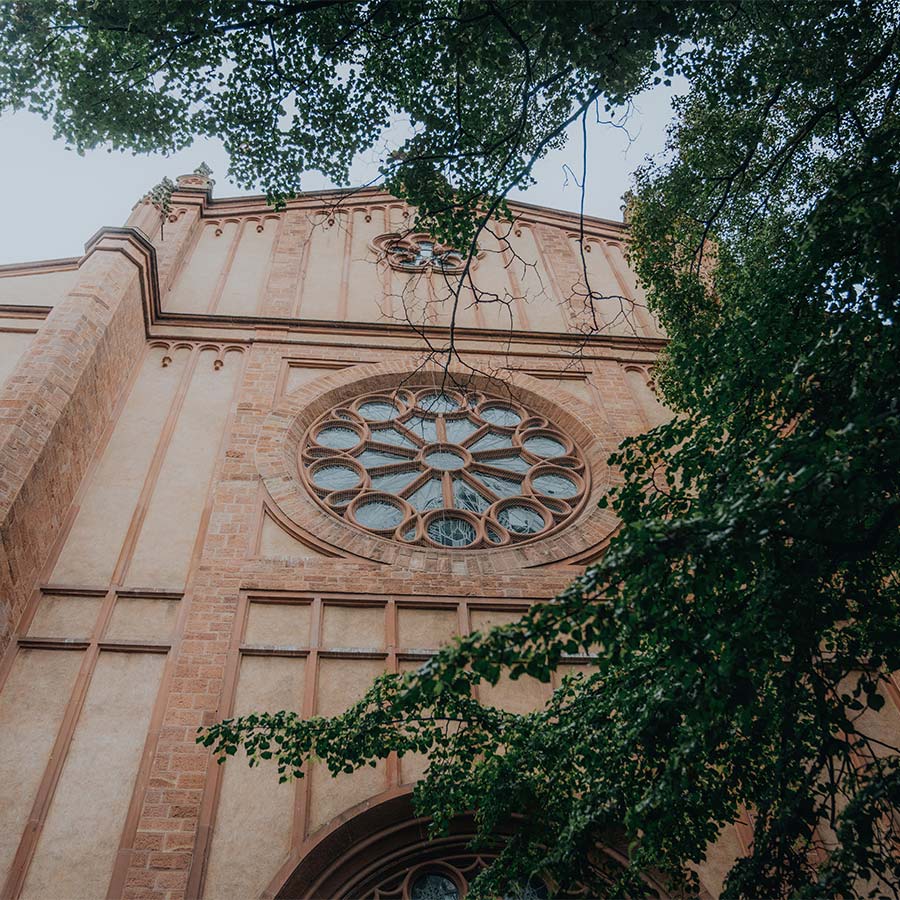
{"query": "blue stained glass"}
(438, 403)
(378, 514)
(449, 531)
(371, 458)
(466, 497)
(552, 485)
(512, 463)
(423, 428)
(337, 438)
(493, 440)
(429, 496)
(378, 410)
(459, 429)
(444, 459)
(433, 886)
(544, 447)
(502, 487)
(391, 436)
(393, 482)
(335, 478)
(501, 415)
(521, 519)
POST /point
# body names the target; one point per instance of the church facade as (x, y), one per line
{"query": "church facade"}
(236, 475)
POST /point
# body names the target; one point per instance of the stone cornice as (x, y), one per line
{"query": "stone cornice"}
(350, 198)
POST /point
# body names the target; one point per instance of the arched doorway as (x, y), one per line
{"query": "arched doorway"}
(383, 852)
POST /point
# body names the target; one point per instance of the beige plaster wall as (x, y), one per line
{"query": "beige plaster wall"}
(77, 847)
(165, 543)
(322, 282)
(32, 704)
(195, 286)
(37, 289)
(254, 823)
(275, 542)
(12, 345)
(342, 682)
(242, 290)
(653, 411)
(107, 507)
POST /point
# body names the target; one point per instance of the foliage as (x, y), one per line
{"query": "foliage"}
(745, 617)
(160, 197)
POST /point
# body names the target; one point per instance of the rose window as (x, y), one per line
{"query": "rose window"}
(420, 253)
(438, 468)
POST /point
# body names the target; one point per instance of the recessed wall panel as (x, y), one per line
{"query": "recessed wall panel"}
(365, 293)
(426, 629)
(40, 289)
(32, 705)
(77, 848)
(93, 545)
(65, 616)
(13, 345)
(276, 543)
(298, 376)
(278, 624)
(654, 412)
(322, 284)
(252, 832)
(606, 306)
(497, 300)
(195, 286)
(143, 619)
(542, 306)
(353, 627)
(246, 275)
(341, 683)
(166, 542)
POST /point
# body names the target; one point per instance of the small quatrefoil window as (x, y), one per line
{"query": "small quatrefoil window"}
(419, 253)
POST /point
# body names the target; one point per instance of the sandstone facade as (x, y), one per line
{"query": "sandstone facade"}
(163, 564)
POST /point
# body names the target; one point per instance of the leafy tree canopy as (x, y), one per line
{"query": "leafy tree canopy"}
(745, 618)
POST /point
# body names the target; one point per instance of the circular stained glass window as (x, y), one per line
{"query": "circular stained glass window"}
(335, 478)
(377, 411)
(521, 519)
(434, 886)
(378, 515)
(451, 531)
(438, 403)
(552, 485)
(444, 459)
(501, 415)
(338, 438)
(424, 450)
(545, 447)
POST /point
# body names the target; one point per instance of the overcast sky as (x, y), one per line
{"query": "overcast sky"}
(55, 200)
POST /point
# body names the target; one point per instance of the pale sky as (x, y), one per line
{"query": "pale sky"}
(55, 200)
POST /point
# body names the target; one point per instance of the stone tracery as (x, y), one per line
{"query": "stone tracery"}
(438, 468)
(418, 253)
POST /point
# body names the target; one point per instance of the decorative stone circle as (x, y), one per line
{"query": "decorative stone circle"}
(439, 468)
